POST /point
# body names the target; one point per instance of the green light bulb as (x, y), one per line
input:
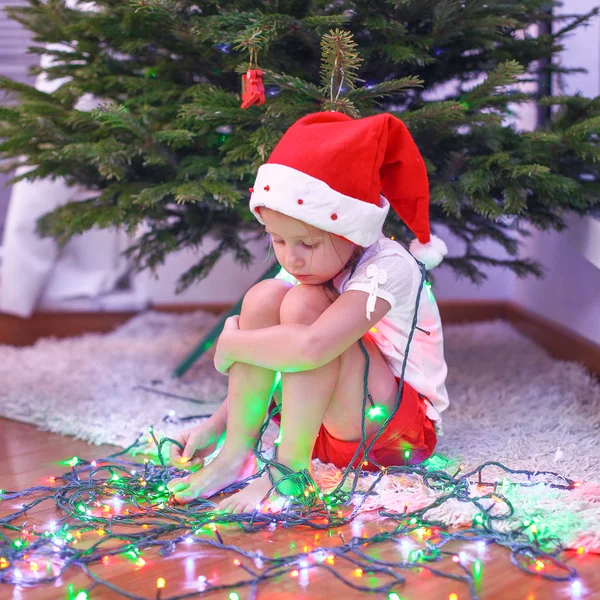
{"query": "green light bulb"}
(375, 412)
(393, 596)
(430, 295)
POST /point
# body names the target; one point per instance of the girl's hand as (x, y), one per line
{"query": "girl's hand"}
(198, 443)
(223, 358)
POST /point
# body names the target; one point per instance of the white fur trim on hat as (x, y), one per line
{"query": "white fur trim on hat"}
(430, 254)
(279, 188)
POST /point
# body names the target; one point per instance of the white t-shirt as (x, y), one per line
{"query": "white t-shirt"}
(388, 270)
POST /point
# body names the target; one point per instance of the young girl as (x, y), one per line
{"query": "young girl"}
(323, 196)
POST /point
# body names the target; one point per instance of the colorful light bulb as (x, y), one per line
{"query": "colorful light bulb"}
(427, 286)
(375, 412)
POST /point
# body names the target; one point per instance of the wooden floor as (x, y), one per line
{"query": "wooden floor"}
(31, 456)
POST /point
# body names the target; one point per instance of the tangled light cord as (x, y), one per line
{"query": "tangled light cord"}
(85, 494)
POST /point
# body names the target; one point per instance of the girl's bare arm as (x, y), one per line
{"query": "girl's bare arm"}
(290, 348)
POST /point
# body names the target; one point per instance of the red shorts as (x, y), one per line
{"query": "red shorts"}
(410, 429)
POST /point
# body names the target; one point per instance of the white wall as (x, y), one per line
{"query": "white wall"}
(226, 283)
(570, 292)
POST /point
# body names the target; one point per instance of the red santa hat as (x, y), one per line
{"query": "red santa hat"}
(341, 175)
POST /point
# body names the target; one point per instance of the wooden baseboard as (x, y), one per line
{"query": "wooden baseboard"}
(558, 341)
(16, 331)
(469, 311)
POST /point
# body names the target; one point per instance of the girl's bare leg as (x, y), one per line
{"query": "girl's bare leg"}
(250, 391)
(331, 395)
(306, 396)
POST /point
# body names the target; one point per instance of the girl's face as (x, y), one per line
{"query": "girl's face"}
(311, 255)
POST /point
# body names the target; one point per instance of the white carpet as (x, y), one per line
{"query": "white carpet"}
(510, 402)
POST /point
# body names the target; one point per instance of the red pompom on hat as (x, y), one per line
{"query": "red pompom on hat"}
(342, 174)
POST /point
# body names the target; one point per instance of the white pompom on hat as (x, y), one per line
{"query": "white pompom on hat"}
(430, 254)
(341, 175)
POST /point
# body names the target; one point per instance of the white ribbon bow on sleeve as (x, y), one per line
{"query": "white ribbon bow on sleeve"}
(376, 276)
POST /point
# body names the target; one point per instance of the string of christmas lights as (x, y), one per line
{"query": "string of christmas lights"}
(95, 504)
(102, 496)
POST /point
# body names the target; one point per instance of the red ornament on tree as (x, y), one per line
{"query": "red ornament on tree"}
(253, 91)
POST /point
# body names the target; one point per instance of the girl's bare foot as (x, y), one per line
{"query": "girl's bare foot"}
(197, 443)
(251, 497)
(206, 482)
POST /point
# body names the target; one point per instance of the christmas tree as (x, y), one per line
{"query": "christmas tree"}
(171, 146)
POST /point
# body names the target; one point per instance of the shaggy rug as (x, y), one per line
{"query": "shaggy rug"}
(510, 402)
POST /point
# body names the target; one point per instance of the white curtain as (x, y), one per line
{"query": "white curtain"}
(34, 272)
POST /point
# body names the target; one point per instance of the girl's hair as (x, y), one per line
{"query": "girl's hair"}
(350, 263)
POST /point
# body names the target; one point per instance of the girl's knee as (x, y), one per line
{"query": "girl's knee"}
(304, 304)
(263, 301)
